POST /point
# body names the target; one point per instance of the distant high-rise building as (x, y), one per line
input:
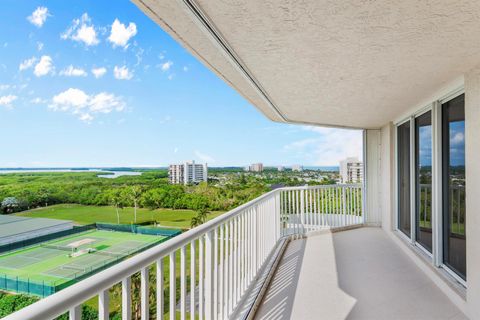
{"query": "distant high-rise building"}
(187, 172)
(297, 167)
(351, 170)
(255, 167)
(281, 168)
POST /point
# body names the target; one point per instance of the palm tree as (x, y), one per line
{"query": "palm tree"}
(115, 199)
(200, 218)
(135, 192)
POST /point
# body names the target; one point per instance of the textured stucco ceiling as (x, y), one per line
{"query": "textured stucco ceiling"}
(340, 63)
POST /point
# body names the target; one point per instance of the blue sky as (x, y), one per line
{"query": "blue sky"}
(97, 83)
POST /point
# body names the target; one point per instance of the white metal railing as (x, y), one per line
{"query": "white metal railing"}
(457, 207)
(311, 208)
(218, 261)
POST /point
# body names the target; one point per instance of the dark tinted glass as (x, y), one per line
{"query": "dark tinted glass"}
(423, 177)
(403, 143)
(453, 150)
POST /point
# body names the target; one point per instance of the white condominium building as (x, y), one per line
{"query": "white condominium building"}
(351, 170)
(256, 167)
(187, 172)
(297, 167)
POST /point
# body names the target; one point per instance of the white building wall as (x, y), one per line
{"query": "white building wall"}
(373, 179)
(472, 167)
(386, 176)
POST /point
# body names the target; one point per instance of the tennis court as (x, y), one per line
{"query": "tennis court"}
(60, 262)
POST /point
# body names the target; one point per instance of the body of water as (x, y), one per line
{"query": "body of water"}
(110, 174)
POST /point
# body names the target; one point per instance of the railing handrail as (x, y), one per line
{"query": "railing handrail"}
(322, 186)
(56, 304)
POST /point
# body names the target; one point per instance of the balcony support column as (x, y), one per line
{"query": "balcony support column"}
(372, 177)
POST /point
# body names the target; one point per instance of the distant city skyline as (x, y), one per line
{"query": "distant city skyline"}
(91, 84)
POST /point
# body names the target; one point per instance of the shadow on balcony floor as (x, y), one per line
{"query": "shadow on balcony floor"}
(356, 274)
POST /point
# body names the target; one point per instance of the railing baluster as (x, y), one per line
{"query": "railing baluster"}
(103, 301)
(201, 299)
(160, 290)
(226, 272)
(230, 266)
(209, 276)
(192, 279)
(144, 296)
(172, 283)
(235, 260)
(220, 273)
(215, 274)
(75, 313)
(183, 283)
(126, 299)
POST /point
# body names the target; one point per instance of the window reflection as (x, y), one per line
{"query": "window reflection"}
(423, 169)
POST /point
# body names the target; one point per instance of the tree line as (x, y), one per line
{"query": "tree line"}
(24, 191)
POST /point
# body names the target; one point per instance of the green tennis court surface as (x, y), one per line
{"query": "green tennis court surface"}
(59, 262)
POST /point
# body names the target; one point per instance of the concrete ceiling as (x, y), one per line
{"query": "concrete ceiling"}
(353, 63)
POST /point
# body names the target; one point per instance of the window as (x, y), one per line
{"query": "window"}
(403, 144)
(453, 160)
(423, 180)
(431, 156)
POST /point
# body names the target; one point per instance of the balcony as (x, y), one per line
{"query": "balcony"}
(355, 274)
(295, 253)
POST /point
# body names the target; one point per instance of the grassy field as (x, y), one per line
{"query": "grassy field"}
(90, 214)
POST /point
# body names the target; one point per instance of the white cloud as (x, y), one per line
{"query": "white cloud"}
(26, 64)
(175, 150)
(105, 103)
(166, 119)
(71, 99)
(85, 117)
(204, 157)
(38, 17)
(166, 66)
(43, 67)
(82, 30)
(171, 76)
(6, 101)
(84, 105)
(4, 87)
(71, 71)
(457, 139)
(120, 34)
(328, 147)
(40, 46)
(99, 72)
(122, 73)
(38, 100)
(185, 68)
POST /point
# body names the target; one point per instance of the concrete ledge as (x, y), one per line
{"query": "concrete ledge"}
(333, 230)
(252, 298)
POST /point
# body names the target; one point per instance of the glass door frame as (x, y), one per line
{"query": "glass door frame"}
(436, 256)
(414, 168)
(397, 180)
(440, 223)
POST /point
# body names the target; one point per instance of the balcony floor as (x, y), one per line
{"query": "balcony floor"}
(356, 274)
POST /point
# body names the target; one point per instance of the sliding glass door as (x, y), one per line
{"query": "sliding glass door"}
(423, 180)
(403, 160)
(453, 153)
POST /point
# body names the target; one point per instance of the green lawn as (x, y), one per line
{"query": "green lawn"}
(90, 214)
